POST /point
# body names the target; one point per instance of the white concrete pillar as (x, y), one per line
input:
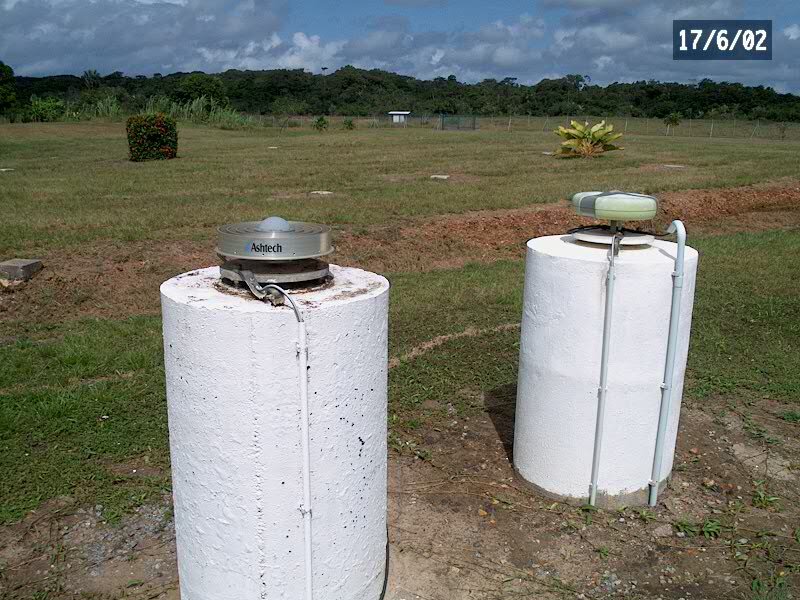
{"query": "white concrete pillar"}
(235, 437)
(561, 338)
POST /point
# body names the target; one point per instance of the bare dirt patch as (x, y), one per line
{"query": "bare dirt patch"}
(707, 206)
(102, 281)
(486, 236)
(462, 526)
(119, 280)
(66, 551)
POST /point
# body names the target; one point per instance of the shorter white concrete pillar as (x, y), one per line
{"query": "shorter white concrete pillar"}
(561, 339)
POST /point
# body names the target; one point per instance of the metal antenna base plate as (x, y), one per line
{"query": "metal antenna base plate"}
(606, 237)
(279, 273)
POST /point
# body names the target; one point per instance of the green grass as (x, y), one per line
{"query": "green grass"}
(73, 184)
(74, 400)
(746, 334)
(81, 397)
(58, 382)
(425, 305)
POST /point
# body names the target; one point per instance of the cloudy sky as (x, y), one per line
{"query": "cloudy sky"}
(610, 40)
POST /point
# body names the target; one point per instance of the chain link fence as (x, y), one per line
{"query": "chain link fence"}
(708, 128)
(700, 128)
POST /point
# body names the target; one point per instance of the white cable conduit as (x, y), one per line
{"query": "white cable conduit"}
(302, 356)
(603, 388)
(669, 364)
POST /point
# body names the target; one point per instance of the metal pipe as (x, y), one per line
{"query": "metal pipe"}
(669, 364)
(305, 507)
(603, 388)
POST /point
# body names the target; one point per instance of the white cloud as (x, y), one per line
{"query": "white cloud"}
(135, 36)
(601, 62)
(598, 38)
(308, 52)
(608, 39)
(580, 4)
(526, 27)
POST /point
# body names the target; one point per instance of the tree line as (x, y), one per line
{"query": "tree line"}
(359, 92)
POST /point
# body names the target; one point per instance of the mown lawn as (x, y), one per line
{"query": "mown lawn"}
(72, 183)
(78, 398)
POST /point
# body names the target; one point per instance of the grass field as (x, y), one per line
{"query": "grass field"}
(81, 382)
(74, 185)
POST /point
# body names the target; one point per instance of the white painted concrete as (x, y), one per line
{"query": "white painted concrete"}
(234, 421)
(561, 337)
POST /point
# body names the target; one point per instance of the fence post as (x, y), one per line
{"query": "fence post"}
(647, 125)
(626, 126)
(734, 127)
(711, 133)
(509, 123)
(544, 127)
(754, 129)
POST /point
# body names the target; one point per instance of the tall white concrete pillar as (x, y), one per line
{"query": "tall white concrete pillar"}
(233, 393)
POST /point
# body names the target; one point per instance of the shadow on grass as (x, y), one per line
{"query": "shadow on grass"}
(501, 404)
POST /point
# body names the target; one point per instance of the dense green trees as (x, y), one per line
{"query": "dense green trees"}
(8, 88)
(196, 85)
(359, 92)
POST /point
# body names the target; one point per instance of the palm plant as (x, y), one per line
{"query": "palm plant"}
(672, 120)
(585, 141)
(91, 79)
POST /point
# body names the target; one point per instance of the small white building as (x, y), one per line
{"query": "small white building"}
(399, 116)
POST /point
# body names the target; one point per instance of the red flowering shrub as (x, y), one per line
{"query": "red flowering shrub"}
(152, 137)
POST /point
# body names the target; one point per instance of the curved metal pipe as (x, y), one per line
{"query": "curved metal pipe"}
(669, 364)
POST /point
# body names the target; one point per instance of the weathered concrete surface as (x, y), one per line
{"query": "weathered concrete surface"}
(20, 269)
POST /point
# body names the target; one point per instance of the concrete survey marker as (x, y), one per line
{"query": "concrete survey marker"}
(6, 170)
(321, 193)
(247, 460)
(20, 269)
(440, 177)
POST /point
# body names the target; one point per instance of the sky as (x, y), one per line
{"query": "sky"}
(609, 40)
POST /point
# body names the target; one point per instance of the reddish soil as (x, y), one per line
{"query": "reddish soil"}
(462, 526)
(122, 280)
(103, 281)
(486, 236)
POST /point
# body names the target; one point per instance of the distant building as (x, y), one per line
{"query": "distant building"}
(399, 116)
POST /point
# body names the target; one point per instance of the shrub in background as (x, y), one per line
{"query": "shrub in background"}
(152, 137)
(45, 110)
(321, 124)
(348, 124)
